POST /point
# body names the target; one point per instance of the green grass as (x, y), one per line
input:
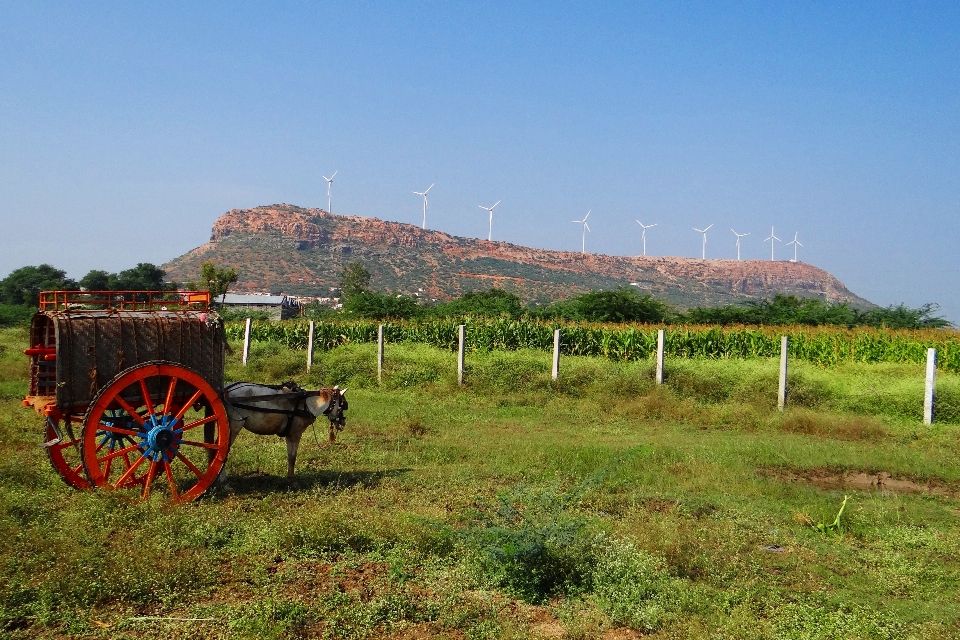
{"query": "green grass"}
(513, 507)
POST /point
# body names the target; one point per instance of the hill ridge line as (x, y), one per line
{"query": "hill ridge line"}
(301, 251)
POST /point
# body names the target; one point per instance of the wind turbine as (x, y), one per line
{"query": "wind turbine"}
(424, 194)
(739, 235)
(586, 227)
(704, 232)
(643, 236)
(771, 240)
(329, 189)
(490, 209)
(795, 243)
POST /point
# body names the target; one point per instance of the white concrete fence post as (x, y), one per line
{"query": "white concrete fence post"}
(782, 393)
(310, 347)
(380, 354)
(555, 372)
(929, 392)
(246, 342)
(460, 351)
(661, 340)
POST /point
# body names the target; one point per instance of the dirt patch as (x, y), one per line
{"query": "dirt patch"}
(859, 480)
(623, 633)
(657, 505)
(426, 631)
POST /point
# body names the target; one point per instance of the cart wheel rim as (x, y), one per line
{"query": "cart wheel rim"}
(64, 452)
(156, 426)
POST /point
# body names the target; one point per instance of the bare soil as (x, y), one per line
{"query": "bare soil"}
(884, 481)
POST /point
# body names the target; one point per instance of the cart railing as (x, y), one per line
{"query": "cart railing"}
(125, 300)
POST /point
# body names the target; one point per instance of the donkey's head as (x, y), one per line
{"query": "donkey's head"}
(331, 403)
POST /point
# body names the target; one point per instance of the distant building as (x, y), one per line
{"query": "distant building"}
(279, 307)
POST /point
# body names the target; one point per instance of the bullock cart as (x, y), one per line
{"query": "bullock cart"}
(129, 385)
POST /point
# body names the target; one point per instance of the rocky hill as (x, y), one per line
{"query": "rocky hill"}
(284, 248)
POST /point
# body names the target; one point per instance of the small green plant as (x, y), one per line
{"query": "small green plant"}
(835, 527)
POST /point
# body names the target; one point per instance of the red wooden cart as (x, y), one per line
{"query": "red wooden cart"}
(129, 385)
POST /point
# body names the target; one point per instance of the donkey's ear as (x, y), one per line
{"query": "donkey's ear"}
(343, 392)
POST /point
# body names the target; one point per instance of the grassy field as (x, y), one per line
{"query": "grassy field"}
(599, 506)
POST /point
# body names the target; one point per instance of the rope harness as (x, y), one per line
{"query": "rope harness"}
(292, 391)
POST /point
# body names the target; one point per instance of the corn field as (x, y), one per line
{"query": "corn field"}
(821, 345)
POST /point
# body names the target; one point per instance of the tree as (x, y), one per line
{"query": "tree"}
(380, 306)
(492, 303)
(143, 277)
(23, 285)
(621, 305)
(354, 279)
(215, 280)
(96, 280)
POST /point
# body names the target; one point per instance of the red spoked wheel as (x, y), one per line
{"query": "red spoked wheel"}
(142, 430)
(63, 448)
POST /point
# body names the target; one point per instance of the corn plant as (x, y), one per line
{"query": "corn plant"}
(824, 346)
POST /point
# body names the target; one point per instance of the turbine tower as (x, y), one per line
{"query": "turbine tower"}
(739, 235)
(704, 232)
(643, 236)
(490, 209)
(586, 227)
(424, 194)
(771, 240)
(795, 243)
(329, 189)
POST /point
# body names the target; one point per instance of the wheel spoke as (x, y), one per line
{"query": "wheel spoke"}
(183, 409)
(118, 452)
(106, 427)
(146, 396)
(60, 446)
(205, 445)
(130, 410)
(182, 458)
(170, 481)
(149, 479)
(193, 425)
(168, 402)
(129, 473)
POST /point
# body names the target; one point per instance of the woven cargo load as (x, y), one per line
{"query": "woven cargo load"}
(92, 347)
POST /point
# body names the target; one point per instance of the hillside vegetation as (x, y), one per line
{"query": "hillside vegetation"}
(302, 251)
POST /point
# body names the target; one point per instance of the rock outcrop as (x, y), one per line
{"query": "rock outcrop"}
(284, 248)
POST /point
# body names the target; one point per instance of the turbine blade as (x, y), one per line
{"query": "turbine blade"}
(588, 214)
(587, 226)
(498, 202)
(640, 223)
(708, 228)
(428, 188)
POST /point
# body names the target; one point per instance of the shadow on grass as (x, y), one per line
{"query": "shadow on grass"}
(259, 483)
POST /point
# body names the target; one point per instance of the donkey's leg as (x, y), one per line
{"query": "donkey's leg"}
(236, 426)
(293, 444)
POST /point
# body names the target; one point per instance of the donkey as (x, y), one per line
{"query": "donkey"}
(281, 410)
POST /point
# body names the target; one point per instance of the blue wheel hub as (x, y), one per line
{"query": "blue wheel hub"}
(160, 438)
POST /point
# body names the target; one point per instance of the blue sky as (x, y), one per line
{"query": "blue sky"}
(127, 128)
